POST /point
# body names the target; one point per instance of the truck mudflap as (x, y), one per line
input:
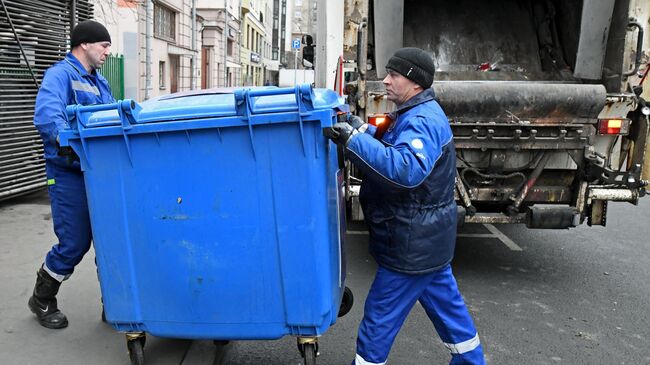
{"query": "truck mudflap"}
(640, 131)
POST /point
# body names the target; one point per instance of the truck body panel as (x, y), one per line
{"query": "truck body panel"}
(526, 86)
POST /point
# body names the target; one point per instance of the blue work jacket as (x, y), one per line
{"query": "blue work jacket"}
(66, 83)
(407, 194)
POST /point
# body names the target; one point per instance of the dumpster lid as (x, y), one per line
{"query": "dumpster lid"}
(222, 102)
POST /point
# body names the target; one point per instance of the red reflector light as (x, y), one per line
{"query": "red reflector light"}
(377, 120)
(613, 126)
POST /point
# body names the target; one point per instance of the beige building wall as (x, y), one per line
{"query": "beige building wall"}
(120, 17)
(172, 51)
(241, 58)
(255, 42)
(222, 56)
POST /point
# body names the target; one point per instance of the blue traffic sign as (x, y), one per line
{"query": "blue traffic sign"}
(295, 44)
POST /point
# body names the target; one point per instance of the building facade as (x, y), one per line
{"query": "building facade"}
(192, 44)
(162, 56)
(221, 45)
(303, 22)
(278, 36)
(254, 42)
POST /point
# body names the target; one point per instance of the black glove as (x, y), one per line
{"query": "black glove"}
(340, 133)
(356, 122)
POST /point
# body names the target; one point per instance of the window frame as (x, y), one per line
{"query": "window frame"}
(161, 10)
(162, 75)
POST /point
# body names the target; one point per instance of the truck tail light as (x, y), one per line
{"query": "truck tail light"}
(377, 119)
(382, 122)
(614, 126)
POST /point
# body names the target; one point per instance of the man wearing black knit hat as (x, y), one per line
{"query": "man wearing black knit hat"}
(73, 80)
(407, 196)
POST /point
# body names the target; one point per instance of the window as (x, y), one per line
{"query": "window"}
(161, 74)
(230, 47)
(164, 23)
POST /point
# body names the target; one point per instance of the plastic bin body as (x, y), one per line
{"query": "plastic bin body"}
(216, 216)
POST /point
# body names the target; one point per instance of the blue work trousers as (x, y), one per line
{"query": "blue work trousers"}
(70, 219)
(389, 302)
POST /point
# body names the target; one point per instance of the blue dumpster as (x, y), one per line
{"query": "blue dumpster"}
(215, 214)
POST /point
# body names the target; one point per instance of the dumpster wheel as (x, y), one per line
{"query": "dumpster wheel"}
(135, 344)
(346, 302)
(308, 347)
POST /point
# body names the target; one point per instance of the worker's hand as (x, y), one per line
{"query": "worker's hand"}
(340, 133)
(357, 123)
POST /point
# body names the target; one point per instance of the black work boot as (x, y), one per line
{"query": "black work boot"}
(43, 302)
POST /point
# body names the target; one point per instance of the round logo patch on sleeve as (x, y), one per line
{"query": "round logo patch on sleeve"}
(417, 144)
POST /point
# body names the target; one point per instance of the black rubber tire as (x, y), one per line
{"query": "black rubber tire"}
(310, 354)
(222, 348)
(346, 302)
(136, 350)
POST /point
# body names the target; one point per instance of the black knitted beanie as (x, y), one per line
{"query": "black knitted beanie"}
(414, 64)
(89, 31)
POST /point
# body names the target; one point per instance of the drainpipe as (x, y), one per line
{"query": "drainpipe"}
(147, 52)
(225, 44)
(73, 14)
(241, 82)
(193, 70)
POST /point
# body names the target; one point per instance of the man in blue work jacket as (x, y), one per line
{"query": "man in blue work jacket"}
(407, 196)
(74, 80)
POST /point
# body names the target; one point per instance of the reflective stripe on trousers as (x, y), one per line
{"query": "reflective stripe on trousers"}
(391, 297)
(360, 361)
(70, 219)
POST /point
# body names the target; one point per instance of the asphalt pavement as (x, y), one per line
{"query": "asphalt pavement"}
(577, 296)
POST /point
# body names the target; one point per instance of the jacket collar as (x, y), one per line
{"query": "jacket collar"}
(74, 62)
(422, 97)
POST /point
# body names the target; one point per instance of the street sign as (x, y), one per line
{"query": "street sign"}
(295, 44)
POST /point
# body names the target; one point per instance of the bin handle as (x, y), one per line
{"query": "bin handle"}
(304, 97)
(128, 107)
(128, 111)
(304, 89)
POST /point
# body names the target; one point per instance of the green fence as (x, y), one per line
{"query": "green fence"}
(113, 71)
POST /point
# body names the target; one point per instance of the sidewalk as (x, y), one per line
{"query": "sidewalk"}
(25, 236)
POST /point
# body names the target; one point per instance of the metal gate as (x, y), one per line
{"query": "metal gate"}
(113, 71)
(34, 35)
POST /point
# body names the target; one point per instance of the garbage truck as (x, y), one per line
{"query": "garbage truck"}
(544, 97)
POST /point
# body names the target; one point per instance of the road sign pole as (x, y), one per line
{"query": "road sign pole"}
(295, 44)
